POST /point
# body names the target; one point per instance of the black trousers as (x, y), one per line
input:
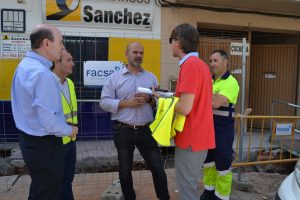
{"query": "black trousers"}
(44, 157)
(125, 139)
(70, 162)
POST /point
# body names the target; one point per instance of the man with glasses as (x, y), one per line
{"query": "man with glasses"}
(194, 87)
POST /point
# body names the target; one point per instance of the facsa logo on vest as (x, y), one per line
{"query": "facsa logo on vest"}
(97, 72)
(130, 14)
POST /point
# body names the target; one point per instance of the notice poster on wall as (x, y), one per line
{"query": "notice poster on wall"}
(14, 47)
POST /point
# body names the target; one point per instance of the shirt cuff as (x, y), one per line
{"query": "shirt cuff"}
(67, 130)
(114, 105)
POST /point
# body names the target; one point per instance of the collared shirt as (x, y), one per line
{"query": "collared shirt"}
(227, 86)
(198, 132)
(187, 56)
(123, 85)
(65, 87)
(36, 98)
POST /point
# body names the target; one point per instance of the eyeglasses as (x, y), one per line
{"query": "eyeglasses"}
(171, 39)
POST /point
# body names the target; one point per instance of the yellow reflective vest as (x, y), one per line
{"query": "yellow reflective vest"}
(167, 122)
(70, 109)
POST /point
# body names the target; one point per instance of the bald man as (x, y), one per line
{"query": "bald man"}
(37, 111)
(131, 114)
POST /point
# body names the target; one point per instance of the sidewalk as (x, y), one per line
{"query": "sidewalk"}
(91, 186)
(94, 157)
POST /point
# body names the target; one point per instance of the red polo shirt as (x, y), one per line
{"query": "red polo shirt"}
(198, 132)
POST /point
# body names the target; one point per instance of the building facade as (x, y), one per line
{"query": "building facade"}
(100, 30)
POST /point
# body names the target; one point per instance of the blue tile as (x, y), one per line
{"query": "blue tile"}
(1, 125)
(87, 107)
(1, 107)
(10, 131)
(87, 122)
(104, 123)
(7, 107)
(9, 125)
(94, 123)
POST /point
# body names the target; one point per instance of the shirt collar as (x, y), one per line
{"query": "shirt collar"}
(224, 77)
(59, 79)
(47, 63)
(125, 70)
(187, 56)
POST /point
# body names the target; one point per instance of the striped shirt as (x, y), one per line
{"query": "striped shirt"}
(122, 85)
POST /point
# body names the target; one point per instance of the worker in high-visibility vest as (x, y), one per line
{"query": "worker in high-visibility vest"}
(217, 177)
(61, 69)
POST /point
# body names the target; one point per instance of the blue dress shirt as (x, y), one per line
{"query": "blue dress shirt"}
(36, 99)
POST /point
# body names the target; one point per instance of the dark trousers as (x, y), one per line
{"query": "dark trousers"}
(125, 139)
(222, 155)
(44, 157)
(69, 171)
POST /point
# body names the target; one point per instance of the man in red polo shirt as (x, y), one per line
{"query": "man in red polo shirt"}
(194, 87)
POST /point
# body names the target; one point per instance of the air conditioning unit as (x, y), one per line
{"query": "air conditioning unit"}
(172, 86)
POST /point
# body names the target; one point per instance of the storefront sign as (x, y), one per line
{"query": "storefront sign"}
(236, 49)
(124, 14)
(97, 72)
(14, 47)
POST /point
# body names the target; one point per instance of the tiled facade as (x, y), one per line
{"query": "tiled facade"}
(94, 123)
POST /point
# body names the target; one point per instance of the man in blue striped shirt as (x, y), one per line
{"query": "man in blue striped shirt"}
(38, 114)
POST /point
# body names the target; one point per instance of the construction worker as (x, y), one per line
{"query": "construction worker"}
(217, 177)
(62, 68)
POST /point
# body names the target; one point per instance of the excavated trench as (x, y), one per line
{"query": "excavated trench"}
(10, 166)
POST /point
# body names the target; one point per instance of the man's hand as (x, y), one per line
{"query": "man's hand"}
(133, 102)
(74, 132)
(146, 97)
(219, 100)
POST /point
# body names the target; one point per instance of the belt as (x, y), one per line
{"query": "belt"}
(135, 127)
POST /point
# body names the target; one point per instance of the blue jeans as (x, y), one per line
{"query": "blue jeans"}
(69, 170)
(126, 139)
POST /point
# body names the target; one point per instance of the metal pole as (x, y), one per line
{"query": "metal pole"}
(243, 128)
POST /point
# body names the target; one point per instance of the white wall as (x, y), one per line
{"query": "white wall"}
(34, 17)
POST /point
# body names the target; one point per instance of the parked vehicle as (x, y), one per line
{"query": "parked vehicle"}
(290, 187)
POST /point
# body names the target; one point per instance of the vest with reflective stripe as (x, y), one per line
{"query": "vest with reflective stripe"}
(228, 87)
(70, 109)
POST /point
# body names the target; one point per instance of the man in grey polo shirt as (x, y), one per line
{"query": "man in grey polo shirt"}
(131, 114)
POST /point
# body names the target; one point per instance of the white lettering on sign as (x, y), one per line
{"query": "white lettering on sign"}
(270, 75)
(284, 129)
(236, 49)
(95, 73)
